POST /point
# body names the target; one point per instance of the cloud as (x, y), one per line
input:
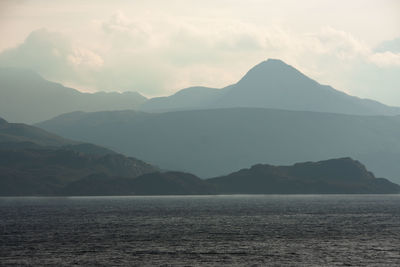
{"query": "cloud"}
(126, 32)
(389, 46)
(161, 54)
(387, 54)
(385, 59)
(52, 55)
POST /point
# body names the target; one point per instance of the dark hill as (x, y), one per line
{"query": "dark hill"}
(22, 133)
(167, 183)
(337, 176)
(210, 143)
(28, 167)
(45, 172)
(23, 136)
(36, 162)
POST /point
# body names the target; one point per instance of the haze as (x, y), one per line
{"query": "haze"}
(160, 47)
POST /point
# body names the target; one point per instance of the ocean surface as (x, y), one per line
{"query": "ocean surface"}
(272, 230)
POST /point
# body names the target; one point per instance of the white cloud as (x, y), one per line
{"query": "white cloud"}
(385, 59)
(161, 54)
(53, 55)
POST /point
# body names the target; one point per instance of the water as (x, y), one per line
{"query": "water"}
(201, 230)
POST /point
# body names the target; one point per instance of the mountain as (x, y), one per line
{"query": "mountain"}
(36, 162)
(22, 133)
(21, 136)
(189, 98)
(157, 183)
(47, 171)
(210, 143)
(335, 176)
(271, 84)
(27, 97)
(72, 174)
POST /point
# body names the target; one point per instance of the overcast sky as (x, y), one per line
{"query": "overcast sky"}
(159, 47)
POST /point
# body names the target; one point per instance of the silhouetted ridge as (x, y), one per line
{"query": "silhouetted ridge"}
(225, 140)
(273, 69)
(342, 168)
(22, 93)
(41, 171)
(335, 176)
(3, 121)
(271, 84)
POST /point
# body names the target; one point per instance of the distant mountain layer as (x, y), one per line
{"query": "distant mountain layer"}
(49, 171)
(40, 172)
(271, 84)
(212, 143)
(35, 162)
(26, 97)
(22, 133)
(22, 136)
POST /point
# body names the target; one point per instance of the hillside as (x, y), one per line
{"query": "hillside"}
(271, 84)
(36, 162)
(46, 172)
(335, 176)
(67, 173)
(157, 183)
(216, 142)
(42, 99)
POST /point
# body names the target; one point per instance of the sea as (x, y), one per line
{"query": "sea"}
(239, 230)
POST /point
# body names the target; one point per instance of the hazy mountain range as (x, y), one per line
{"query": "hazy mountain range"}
(271, 84)
(274, 114)
(35, 162)
(27, 97)
(214, 138)
(29, 167)
(216, 142)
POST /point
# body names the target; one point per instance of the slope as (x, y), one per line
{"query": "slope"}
(271, 84)
(210, 143)
(27, 97)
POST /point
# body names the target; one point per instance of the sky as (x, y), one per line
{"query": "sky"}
(158, 47)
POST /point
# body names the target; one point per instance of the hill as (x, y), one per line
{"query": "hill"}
(65, 173)
(22, 136)
(28, 98)
(335, 176)
(271, 84)
(42, 171)
(157, 183)
(211, 143)
(36, 162)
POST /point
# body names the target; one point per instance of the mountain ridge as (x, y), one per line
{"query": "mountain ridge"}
(300, 178)
(43, 99)
(36, 162)
(274, 84)
(215, 142)
(333, 176)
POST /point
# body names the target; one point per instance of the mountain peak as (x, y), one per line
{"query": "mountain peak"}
(272, 62)
(272, 69)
